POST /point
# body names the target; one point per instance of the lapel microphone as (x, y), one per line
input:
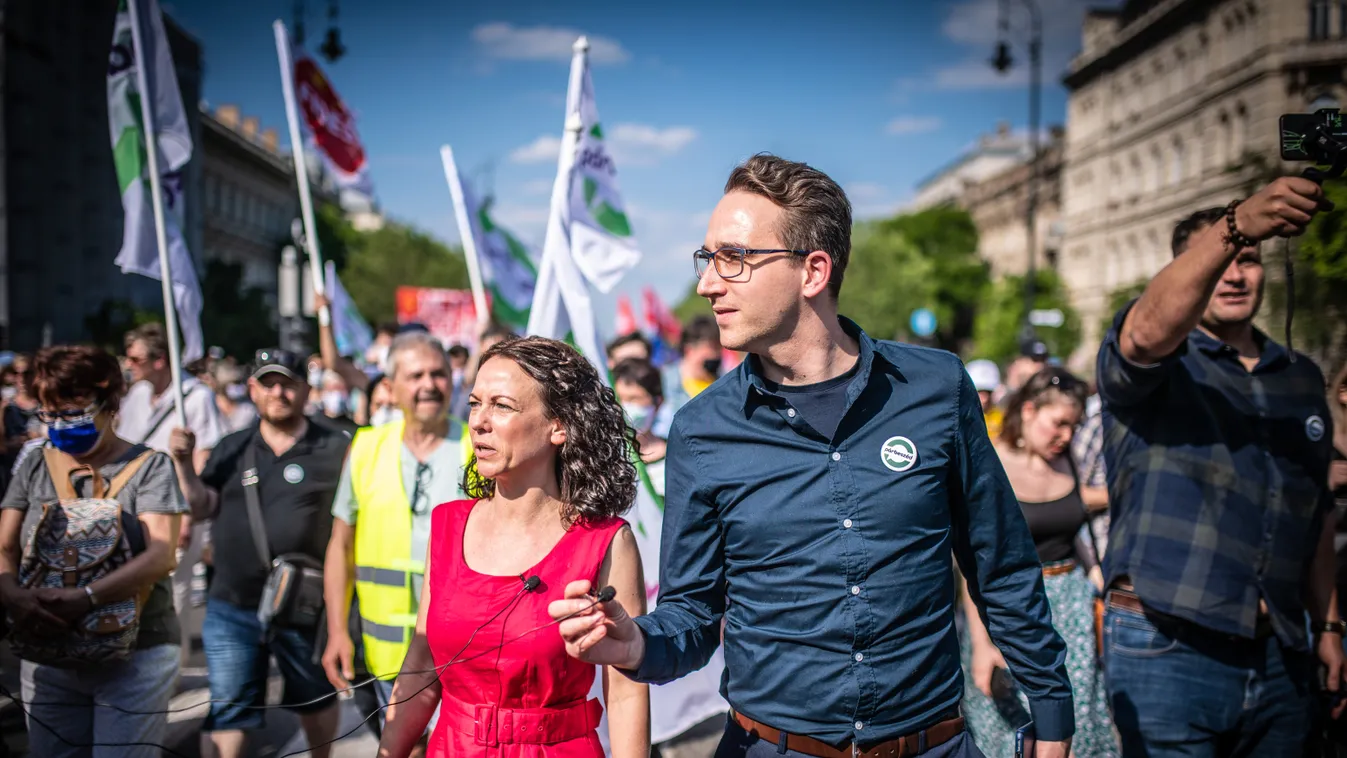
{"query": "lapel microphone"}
(530, 583)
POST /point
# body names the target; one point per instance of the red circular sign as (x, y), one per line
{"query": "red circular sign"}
(332, 125)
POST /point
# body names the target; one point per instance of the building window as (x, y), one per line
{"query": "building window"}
(1318, 19)
(1239, 134)
(1176, 167)
(1342, 18)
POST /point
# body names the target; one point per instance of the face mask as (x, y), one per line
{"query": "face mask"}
(639, 416)
(334, 403)
(315, 377)
(76, 436)
(237, 392)
(384, 415)
(712, 366)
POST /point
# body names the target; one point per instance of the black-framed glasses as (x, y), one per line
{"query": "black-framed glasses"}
(58, 417)
(729, 261)
(421, 492)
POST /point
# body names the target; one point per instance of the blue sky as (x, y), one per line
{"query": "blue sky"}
(877, 94)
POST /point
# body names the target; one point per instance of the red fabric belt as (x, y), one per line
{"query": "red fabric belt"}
(492, 725)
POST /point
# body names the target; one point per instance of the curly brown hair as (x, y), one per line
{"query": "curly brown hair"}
(77, 374)
(595, 471)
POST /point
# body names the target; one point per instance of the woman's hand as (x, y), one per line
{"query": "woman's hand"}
(27, 609)
(69, 605)
(986, 659)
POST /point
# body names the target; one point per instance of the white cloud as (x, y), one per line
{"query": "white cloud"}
(544, 149)
(978, 74)
(505, 41)
(913, 124)
(538, 186)
(631, 145)
(528, 222)
(645, 145)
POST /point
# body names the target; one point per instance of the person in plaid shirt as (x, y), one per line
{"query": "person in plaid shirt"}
(1217, 454)
(1087, 448)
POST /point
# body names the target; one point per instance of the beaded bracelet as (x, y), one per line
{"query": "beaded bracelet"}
(1233, 235)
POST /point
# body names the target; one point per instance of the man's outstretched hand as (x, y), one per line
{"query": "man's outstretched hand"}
(598, 633)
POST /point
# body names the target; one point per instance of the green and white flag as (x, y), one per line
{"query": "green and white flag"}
(140, 252)
(504, 266)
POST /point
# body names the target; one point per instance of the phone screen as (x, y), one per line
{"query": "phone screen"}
(1024, 741)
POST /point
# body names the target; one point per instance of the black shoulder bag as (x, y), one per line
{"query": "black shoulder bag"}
(293, 596)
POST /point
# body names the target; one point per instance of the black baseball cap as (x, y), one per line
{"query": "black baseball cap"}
(1035, 349)
(274, 360)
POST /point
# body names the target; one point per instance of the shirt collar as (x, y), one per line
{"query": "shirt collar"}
(755, 387)
(1271, 353)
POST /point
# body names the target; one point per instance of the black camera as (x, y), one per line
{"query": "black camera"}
(1318, 137)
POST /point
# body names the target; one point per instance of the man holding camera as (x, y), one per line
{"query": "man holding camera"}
(1217, 449)
(293, 466)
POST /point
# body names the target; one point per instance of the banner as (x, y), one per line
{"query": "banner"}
(331, 126)
(349, 328)
(140, 249)
(449, 314)
(626, 317)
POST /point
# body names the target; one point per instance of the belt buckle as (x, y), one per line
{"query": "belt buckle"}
(484, 725)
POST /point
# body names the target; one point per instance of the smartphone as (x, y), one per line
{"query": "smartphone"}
(1024, 741)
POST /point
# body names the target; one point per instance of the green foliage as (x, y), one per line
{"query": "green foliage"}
(234, 317)
(1000, 318)
(107, 326)
(887, 279)
(336, 236)
(378, 262)
(1117, 299)
(692, 305)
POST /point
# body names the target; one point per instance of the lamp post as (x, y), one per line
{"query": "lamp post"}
(1002, 62)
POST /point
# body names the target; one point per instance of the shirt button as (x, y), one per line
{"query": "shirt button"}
(791, 413)
(860, 725)
(846, 523)
(837, 456)
(855, 590)
(860, 657)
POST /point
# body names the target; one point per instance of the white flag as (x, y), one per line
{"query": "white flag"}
(507, 269)
(140, 252)
(349, 328)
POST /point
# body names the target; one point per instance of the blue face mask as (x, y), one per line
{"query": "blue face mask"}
(75, 436)
(641, 417)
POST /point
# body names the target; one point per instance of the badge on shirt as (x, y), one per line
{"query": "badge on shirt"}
(294, 473)
(1314, 428)
(899, 454)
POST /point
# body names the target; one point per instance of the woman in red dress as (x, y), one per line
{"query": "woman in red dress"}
(551, 476)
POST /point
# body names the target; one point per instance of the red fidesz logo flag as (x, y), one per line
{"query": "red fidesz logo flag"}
(330, 123)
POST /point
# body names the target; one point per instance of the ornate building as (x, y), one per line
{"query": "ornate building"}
(998, 205)
(1173, 107)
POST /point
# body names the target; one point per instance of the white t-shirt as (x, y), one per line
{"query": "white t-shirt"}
(143, 420)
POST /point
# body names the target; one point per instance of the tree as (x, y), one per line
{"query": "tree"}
(380, 261)
(996, 333)
(886, 279)
(1320, 258)
(234, 316)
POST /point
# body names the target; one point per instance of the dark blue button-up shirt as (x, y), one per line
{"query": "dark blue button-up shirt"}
(830, 559)
(1218, 481)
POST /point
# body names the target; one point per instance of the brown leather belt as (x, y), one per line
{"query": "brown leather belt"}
(899, 747)
(1125, 599)
(1057, 569)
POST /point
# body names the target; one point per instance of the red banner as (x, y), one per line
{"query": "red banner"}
(329, 121)
(449, 314)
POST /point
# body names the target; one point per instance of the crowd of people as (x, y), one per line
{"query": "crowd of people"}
(790, 539)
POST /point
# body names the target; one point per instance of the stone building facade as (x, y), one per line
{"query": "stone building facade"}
(999, 207)
(1173, 107)
(992, 154)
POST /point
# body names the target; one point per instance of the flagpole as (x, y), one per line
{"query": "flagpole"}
(157, 201)
(465, 234)
(301, 170)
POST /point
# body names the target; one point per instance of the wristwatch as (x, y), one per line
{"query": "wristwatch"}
(1331, 627)
(93, 599)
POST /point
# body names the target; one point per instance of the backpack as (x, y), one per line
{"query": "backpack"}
(78, 541)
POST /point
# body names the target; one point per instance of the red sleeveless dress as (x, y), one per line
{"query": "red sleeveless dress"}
(529, 699)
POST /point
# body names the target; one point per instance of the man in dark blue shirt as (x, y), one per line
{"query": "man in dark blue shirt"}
(1217, 447)
(815, 497)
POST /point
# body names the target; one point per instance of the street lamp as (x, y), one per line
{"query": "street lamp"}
(1003, 62)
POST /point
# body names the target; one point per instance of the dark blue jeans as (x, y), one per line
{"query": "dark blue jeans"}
(1177, 689)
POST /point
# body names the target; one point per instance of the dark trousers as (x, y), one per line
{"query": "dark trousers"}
(740, 744)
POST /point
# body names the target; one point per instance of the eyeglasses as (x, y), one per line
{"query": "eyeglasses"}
(65, 417)
(422, 489)
(729, 261)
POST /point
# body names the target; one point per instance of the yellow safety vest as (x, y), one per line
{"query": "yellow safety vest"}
(384, 564)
